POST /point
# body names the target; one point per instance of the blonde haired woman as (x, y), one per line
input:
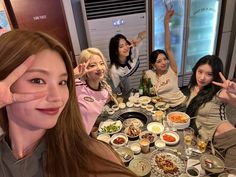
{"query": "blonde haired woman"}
(45, 137)
(92, 90)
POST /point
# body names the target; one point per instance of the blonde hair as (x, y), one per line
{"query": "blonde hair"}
(86, 55)
(68, 151)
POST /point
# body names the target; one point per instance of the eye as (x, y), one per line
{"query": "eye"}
(63, 82)
(37, 81)
(92, 65)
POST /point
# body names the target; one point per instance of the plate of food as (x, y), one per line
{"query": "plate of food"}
(169, 137)
(110, 126)
(132, 132)
(156, 99)
(155, 127)
(212, 163)
(165, 163)
(179, 120)
(148, 135)
(162, 106)
(133, 121)
(140, 166)
(144, 99)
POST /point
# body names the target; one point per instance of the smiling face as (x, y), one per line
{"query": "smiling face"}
(123, 50)
(161, 63)
(204, 75)
(98, 74)
(43, 113)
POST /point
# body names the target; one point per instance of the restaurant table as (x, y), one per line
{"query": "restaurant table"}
(178, 149)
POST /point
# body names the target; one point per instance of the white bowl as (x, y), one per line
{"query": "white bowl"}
(122, 105)
(104, 137)
(148, 135)
(129, 104)
(144, 99)
(115, 107)
(162, 106)
(133, 99)
(179, 120)
(159, 144)
(170, 137)
(155, 127)
(135, 147)
(149, 107)
(119, 140)
(110, 111)
(126, 154)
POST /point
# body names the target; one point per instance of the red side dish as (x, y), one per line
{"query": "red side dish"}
(169, 138)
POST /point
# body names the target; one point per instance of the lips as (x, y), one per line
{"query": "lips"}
(49, 111)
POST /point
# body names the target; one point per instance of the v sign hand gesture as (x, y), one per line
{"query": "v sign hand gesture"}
(228, 85)
(82, 69)
(6, 96)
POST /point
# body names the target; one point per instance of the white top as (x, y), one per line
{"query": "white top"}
(116, 73)
(167, 87)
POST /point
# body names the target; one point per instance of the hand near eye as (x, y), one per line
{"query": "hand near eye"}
(82, 69)
(228, 85)
(6, 96)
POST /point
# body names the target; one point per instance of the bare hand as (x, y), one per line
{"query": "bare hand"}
(169, 12)
(228, 85)
(6, 96)
(82, 69)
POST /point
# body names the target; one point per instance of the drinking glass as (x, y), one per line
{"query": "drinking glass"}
(188, 137)
(202, 143)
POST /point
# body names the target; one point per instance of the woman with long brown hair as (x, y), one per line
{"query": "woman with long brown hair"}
(44, 136)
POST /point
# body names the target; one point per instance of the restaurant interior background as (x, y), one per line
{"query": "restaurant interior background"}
(79, 24)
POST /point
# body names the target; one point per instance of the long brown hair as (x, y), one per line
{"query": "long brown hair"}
(67, 146)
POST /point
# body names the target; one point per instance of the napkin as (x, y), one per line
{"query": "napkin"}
(192, 162)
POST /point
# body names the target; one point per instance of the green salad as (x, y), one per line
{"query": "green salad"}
(110, 128)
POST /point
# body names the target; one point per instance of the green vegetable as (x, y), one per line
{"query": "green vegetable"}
(111, 128)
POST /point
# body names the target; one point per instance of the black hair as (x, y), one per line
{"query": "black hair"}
(209, 91)
(114, 49)
(153, 56)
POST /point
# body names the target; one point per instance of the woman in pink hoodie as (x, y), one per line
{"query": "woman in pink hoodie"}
(92, 90)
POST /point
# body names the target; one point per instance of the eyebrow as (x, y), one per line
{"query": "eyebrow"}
(44, 72)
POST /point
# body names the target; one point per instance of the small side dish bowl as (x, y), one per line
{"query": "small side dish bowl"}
(149, 107)
(125, 153)
(104, 137)
(115, 107)
(148, 135)
(129, 104)
(159, 144)
(119, 140)
(122, 105)
(170, 137)
(135, 147)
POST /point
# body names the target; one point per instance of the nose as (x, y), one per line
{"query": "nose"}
(202, 77)
(54, 94)
(99, 67)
